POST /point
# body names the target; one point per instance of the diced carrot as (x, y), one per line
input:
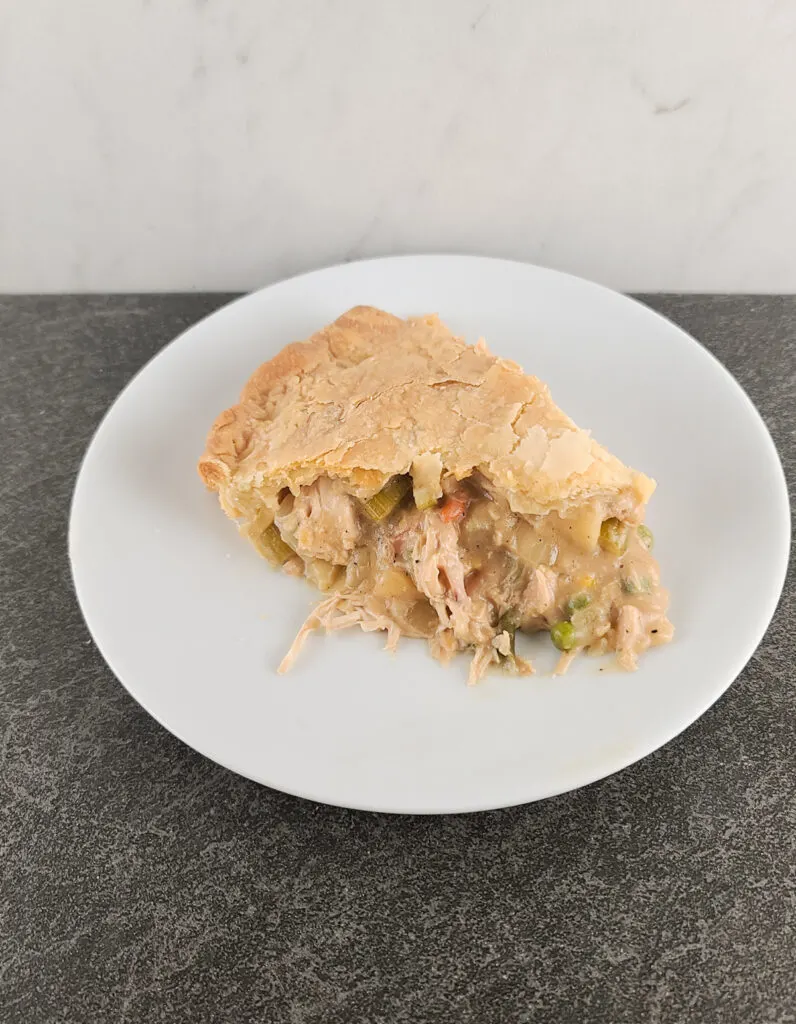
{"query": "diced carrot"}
(452, 508)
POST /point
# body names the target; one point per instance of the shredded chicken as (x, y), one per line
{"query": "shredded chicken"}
(467, 581)
(482, 659)
(434, 560)
(539, 597)
(342, 611)
(322, 521)
(502, 643)
(564, 662)
(443, 646)
(631, 638)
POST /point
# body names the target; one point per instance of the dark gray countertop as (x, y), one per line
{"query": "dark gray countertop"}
(140, 882)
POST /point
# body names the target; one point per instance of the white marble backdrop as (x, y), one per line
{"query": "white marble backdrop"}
(223, 144)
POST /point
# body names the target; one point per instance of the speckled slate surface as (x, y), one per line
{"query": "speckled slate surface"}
(140, 882)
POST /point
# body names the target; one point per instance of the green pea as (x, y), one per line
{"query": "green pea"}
(646, 537)
(577, 603)
(563, 636)
(613, 536)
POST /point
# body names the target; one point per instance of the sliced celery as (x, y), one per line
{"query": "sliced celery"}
(388, 499)
(274, 548)
(636, 584)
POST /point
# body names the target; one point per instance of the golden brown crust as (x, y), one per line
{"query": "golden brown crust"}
(369, 394)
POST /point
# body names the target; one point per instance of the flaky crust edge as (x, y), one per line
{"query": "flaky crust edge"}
(230, 437)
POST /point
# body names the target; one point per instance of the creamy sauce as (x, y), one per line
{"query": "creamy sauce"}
(459, 581)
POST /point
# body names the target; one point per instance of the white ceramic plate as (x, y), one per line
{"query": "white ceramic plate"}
(193, 622)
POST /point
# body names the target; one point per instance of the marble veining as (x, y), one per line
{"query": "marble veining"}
(223, 145)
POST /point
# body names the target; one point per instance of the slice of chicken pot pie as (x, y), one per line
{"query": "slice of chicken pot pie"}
(431, 489)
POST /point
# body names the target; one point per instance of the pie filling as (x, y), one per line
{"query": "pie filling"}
(465, 572)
